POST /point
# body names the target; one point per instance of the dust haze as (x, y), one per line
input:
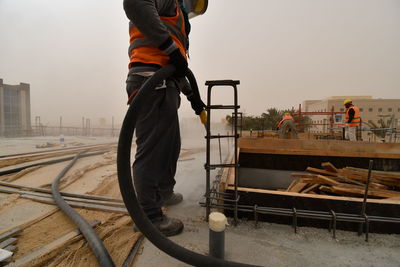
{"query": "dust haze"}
(74, 53)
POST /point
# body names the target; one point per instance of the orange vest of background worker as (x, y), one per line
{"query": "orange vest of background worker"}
(285, 117)
(353, 118)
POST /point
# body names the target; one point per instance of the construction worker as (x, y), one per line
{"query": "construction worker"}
(286, 116)
(286, 126)
(353, 120)
(158, 36)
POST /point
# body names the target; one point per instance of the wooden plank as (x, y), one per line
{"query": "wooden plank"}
(43, 254)
(91, 201)
(320, 148)
(329, 167)
(325, 180)
(77, 204)
(9, 241)
(363, 177)
(319, 171)
(361, 191)
(43, 190)
(274, 192)
(11, 233)
(291, 185)
(320, 153)
(302, 175)
(395, 175)
(298, 187)
(310, 189)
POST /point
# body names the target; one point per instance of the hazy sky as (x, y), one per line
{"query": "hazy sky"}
(74, 53)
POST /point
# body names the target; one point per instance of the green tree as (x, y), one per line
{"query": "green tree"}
(268, 120)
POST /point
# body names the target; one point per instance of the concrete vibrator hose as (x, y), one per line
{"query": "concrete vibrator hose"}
(95, 243)
(126, 183)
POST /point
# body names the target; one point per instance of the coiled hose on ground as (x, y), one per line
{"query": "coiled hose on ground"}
(128, 190)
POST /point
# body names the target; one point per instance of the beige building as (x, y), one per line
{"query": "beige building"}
(15, 109)
(370, 109)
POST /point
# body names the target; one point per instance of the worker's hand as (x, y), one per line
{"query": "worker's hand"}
(175, 57)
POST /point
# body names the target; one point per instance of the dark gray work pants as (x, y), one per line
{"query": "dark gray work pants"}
(158, 145)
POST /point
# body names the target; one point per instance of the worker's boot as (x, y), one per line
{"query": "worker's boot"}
(168, 226)
(173, 199)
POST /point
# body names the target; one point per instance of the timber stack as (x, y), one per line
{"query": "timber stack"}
(348, 181)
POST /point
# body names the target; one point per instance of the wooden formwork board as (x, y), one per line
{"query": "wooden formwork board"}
(320, 148)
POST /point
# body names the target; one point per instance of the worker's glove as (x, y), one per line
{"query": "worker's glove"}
(175, 56)
(203, 117)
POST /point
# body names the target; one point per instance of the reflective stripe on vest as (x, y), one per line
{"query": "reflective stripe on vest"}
(143, 50)
(356, 120)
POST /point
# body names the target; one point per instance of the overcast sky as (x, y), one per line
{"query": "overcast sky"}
(74, 53)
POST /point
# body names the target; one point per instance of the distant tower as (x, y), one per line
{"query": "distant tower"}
(15, 109)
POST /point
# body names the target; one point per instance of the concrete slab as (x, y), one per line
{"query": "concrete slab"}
(269, 244)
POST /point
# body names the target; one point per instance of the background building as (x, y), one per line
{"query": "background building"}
(371, 110)
(15, 109)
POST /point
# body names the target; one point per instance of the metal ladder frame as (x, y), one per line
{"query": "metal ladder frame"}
(208, 166)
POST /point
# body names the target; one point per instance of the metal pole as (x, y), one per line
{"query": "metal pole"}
(208, 176)
(364, 204)
(112, 126)
(235, 155)
(83, 125)
(60, 124)
(219, 145)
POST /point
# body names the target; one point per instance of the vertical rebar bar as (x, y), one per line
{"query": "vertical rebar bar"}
(208, 134)
(235, 154)
(364, 204)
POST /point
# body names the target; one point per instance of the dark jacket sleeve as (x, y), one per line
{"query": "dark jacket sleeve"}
(145, 14)
(351, 115)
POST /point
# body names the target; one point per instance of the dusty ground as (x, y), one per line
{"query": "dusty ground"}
(44, 223)
(268, 245)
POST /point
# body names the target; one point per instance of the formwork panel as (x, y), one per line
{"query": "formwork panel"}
(266, 165)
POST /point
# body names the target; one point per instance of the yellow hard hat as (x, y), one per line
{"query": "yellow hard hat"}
(347, 101)
(286, 114)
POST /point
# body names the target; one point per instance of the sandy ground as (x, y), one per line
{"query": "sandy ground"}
(267, 245)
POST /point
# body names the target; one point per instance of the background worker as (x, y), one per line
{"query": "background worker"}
(286, 116)
(353, 120)
(158, 32)
(286, 127)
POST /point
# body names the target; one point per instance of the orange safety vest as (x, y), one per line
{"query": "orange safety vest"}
(356, 120)
(284, 118)
(141, 49)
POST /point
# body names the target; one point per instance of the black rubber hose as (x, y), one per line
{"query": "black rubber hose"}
(95, 243)
(128, 191)
(193, 84)
(46, 163)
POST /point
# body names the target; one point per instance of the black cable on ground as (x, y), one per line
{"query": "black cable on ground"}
(128, 190)
(47, 163)
(95, 243)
